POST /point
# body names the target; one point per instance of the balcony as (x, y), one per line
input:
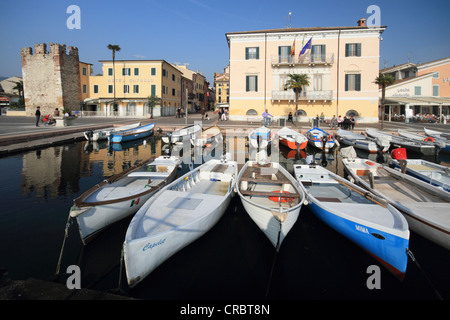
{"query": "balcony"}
(304, 59)
(323, 95)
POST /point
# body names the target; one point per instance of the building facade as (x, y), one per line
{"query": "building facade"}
(420, 90)
(341, 63)
(131, 82)
(222, 88)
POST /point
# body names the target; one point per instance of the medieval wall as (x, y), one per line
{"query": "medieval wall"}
(51, 78)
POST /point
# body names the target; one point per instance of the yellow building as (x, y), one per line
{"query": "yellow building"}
(132, 82)
(341, 63)
(85, 73)
(222, 88)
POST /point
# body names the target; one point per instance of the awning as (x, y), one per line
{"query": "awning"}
(418, 101)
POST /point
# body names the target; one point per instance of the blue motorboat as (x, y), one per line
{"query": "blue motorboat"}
(132, 134)
(320, 139)
(362, 217)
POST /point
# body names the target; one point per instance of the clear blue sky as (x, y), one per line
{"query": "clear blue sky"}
(193, 31)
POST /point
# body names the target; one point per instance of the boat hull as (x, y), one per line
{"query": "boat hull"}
(144, 255)
(426, 218)
(293, 144)
(390, 250)
(132, 134)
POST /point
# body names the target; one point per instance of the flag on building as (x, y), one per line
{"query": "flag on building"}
(306, 47)
(293, 49)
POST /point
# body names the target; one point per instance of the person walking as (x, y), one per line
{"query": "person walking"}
(38, 115)
(224, 115)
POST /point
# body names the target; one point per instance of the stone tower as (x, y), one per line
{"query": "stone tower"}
(51, 79)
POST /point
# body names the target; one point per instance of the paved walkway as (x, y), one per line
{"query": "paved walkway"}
(19, 134)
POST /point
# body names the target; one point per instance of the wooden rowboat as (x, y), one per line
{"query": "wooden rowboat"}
(176, 216)
(121, 195)
(271, 197)
(426, 208)
(292, 139)
(360, 216)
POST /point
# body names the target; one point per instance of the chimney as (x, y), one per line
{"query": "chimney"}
(362, 22)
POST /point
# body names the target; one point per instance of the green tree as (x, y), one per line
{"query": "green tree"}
(296, 82)
(383, 80)
(152, 102)
(114, 48)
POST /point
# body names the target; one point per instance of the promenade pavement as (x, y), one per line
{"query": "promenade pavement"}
(21, 133)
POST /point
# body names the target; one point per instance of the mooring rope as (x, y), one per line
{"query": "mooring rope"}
(66, 234)
(411, 255)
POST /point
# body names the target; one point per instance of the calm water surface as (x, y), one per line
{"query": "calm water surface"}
(232, 261)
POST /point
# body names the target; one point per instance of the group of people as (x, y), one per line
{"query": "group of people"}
(344, 123)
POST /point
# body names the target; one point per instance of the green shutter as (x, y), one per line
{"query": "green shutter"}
(358, 49)
(347, 81)
(347, 49)
(256, 83)
(247, 83)
(257, 52)
(358, 82)
(153, 88)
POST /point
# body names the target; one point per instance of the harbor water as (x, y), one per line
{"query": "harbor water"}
(234, 260)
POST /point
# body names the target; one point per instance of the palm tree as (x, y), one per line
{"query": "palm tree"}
(152, 102)
(114, 48)
(18, 87)
(296, 83)
(383, 80)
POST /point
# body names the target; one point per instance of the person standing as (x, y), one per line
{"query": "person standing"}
(38, 115)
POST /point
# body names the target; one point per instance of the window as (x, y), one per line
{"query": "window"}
(153, 90)
(110, 88)
(283, 80)
(173, 77)
(284, 54)
(84, 71)
(136, 71)
(436, 91)
(251, 53)
(417, 91)
(251, 112)
(436, 75)
(126, 88)
(353, 50)
(164, 73)
(126, 71)
(251, 83)
(317, 82)
(110, 71)
(84, 88)
(95, 88)
(135, 88)
(318, 52)
(173, 92)
(153, 71)
(353, 82)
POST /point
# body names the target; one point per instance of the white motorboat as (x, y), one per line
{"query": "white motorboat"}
(183, 134)
(371, 145)
(207, 137)
(292, 139)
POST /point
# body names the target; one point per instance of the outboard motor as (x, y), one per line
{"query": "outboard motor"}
(89, 134)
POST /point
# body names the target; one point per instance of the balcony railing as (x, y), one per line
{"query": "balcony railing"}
(323, 95)
(304, 59)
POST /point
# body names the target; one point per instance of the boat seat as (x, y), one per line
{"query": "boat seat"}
(269, 194)
(327, 199)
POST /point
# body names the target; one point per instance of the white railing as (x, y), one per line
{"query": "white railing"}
(307, 59)
(305, 95)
